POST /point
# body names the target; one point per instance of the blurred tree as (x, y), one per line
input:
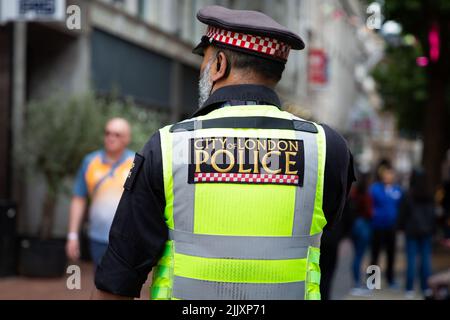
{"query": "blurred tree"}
(60, 132)
(420, 96)
(404, 87)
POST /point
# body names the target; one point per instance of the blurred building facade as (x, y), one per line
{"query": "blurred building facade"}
(142, 49)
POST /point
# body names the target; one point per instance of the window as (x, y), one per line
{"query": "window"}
(141, 9)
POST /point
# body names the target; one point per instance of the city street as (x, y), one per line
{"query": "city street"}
(342, 283)
(56, 289)
(52, 289)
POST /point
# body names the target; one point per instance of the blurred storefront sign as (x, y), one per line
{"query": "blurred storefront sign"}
(361, 120)
(32, 10)
(318, 68)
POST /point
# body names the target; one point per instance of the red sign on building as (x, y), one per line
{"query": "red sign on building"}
(318, 67)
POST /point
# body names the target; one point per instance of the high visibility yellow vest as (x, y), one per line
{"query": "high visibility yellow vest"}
(244, 190)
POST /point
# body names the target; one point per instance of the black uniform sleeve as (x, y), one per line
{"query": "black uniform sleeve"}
(339, 176)
(138, 233)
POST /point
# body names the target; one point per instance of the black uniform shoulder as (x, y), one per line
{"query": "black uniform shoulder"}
(336, 143)
(152, 146)
(339, 175)
(149, 168)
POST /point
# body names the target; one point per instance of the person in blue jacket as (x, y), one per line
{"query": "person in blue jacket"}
(386, 196)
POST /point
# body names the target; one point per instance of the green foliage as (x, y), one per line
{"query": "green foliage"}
(403, 86)
(61, 131)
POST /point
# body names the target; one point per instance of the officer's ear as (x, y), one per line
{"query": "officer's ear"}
(221, 68)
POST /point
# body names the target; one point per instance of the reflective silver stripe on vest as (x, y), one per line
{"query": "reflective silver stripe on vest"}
(232, 247)
(306, 196)
(183, 193)
(191, 289)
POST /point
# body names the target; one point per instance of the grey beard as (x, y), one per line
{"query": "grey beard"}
(205, 85)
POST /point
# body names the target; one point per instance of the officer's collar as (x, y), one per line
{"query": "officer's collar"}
(239, 93)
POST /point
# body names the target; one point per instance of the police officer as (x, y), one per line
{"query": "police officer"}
(232, 203)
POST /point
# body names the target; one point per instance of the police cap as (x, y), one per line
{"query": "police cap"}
(251, 32)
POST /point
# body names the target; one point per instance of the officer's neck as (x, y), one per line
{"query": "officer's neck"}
(240, 78)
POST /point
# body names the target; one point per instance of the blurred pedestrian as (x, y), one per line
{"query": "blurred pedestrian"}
(361, 207)
(386, 196)
(443, 199)
(100, 181)
(329, 248)
(418, 220)
(446, 211)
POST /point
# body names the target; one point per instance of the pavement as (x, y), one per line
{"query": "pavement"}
(20, 288)
(342, 283)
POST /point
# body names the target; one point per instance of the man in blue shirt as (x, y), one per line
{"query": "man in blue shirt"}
(387, 197)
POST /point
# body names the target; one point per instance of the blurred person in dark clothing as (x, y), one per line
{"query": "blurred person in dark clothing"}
(446, 211)
(329, 255)
(418, 220)
(331, 239)
(386, 196)
(361, 232)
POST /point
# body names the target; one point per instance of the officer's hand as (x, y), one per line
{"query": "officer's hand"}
(73, 249)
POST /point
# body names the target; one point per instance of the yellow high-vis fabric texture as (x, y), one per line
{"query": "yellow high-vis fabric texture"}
(166, 145)
(163, 275)
(319, 221)
(312, 291)
(240, 271)
(216, 215)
